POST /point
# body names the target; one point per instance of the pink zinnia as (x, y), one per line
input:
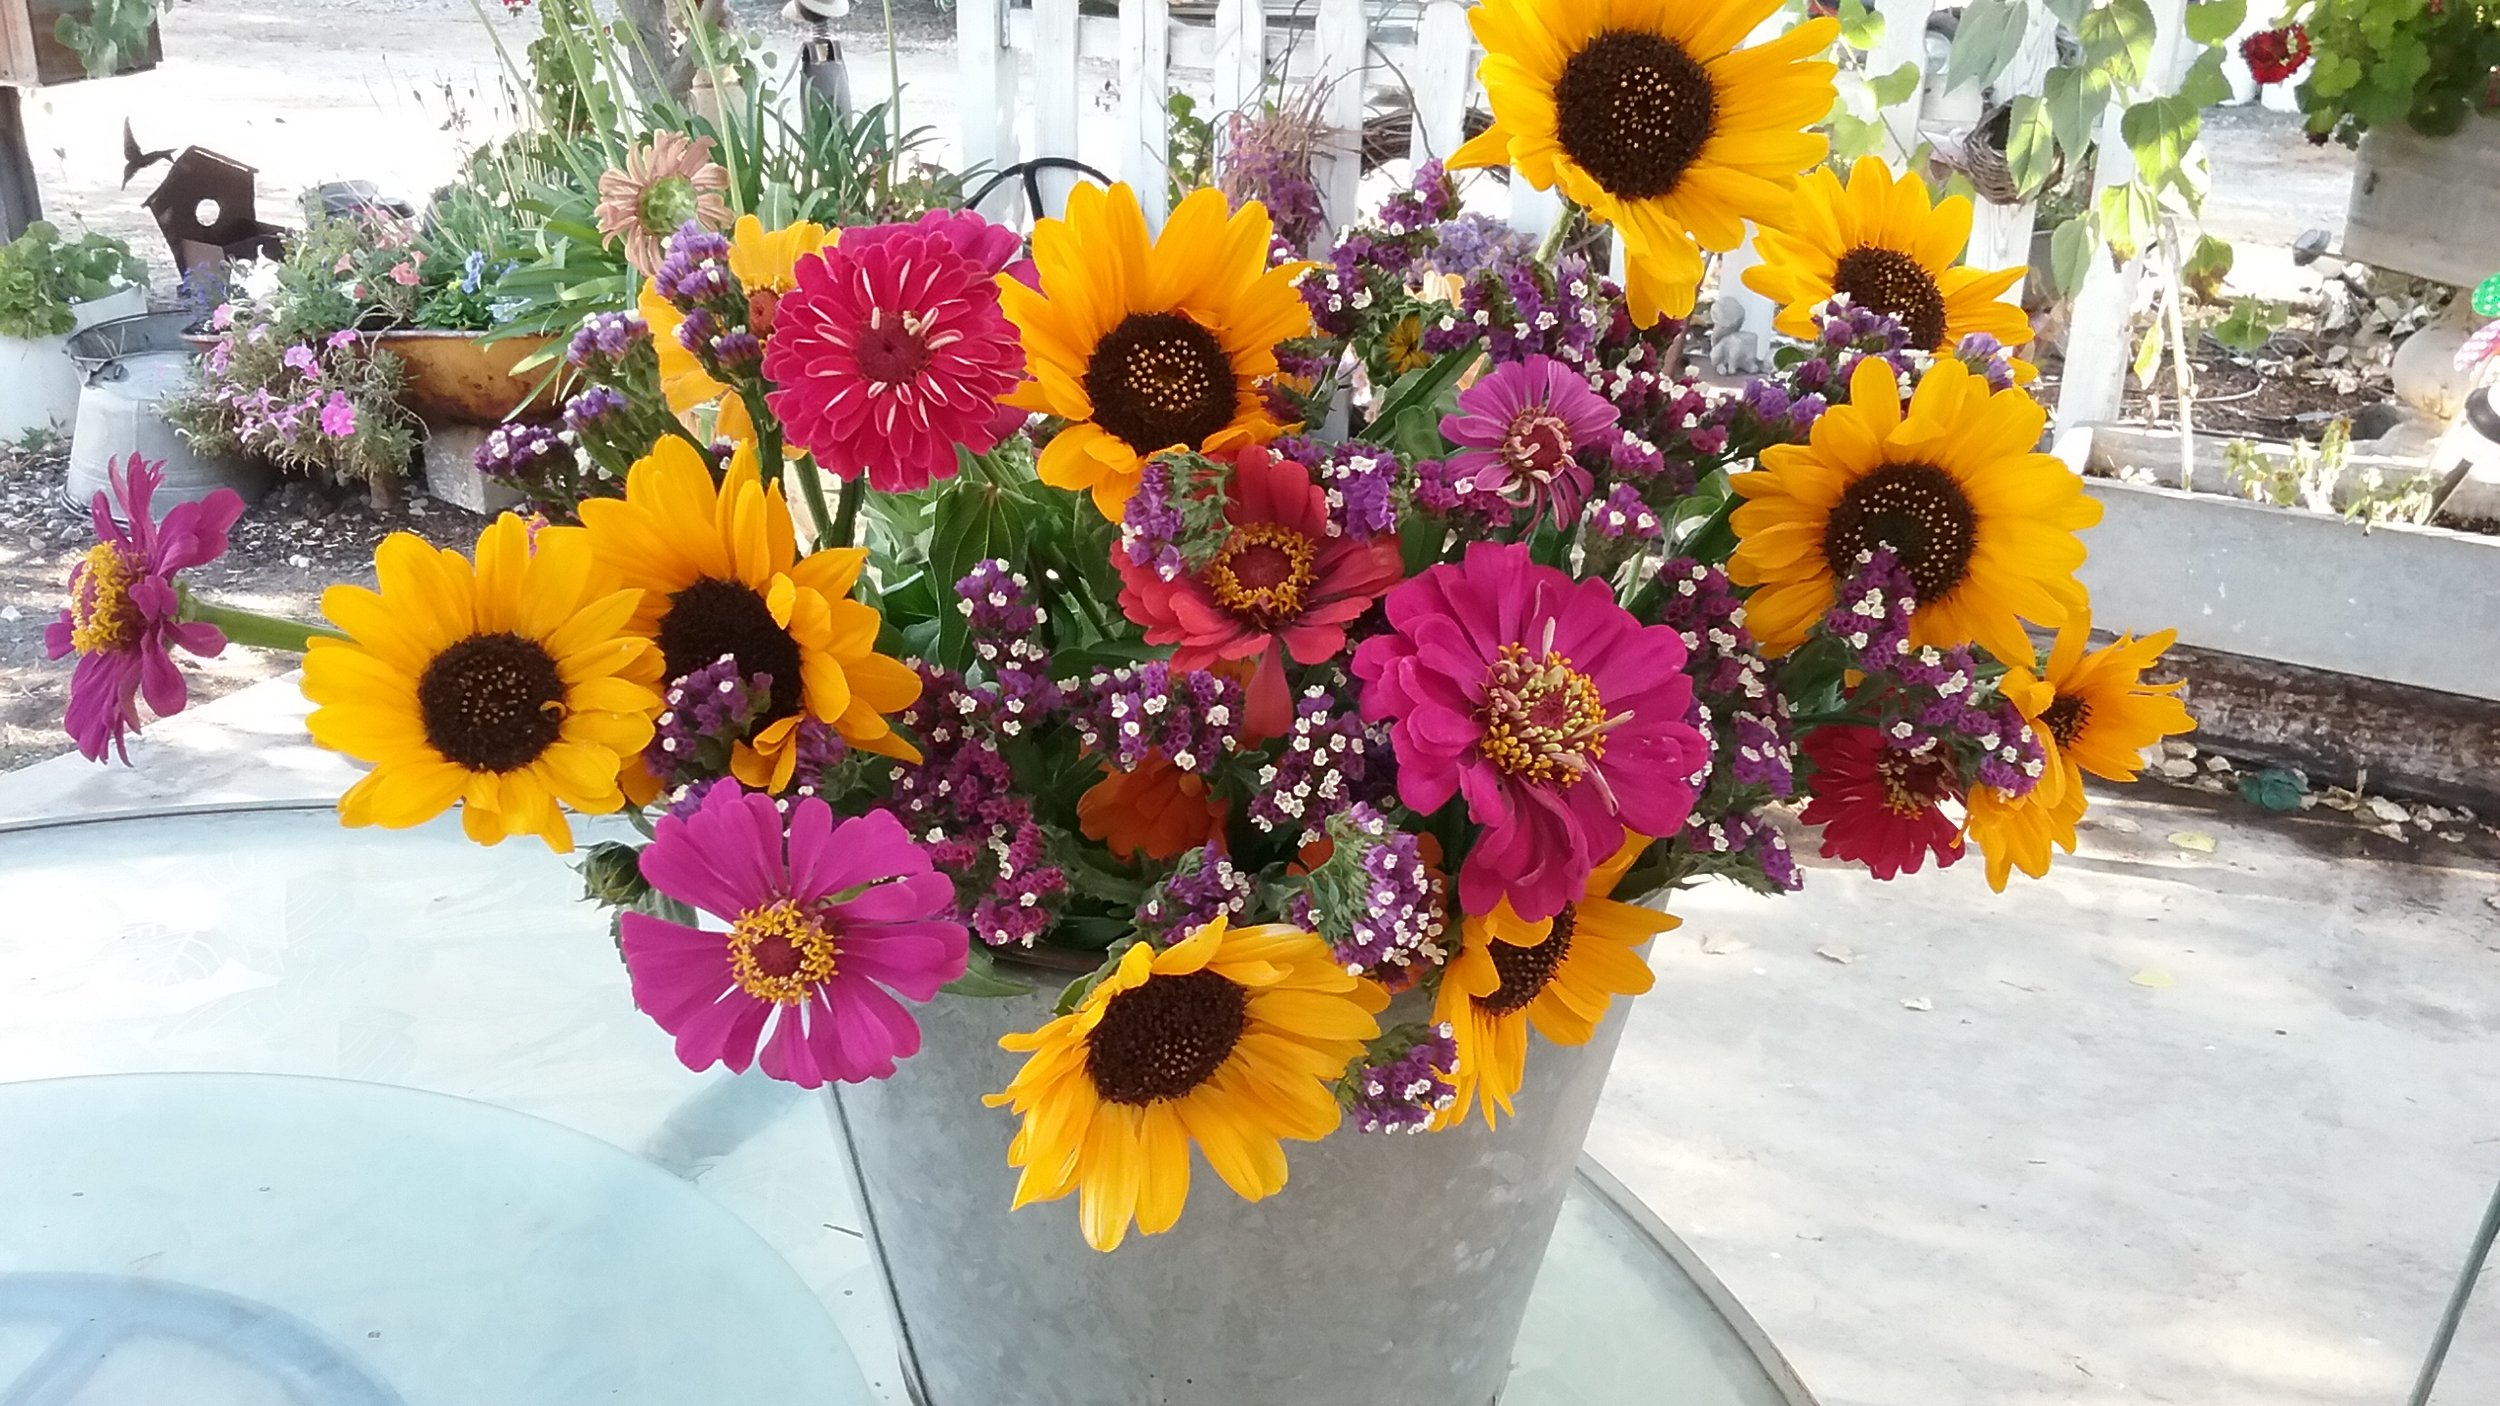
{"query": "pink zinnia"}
(826, 925)
(1558, 716)
(338, 416)
(1520, 430)
(892, 351)
(124, 618)
(1880, 805)
(1279, 585)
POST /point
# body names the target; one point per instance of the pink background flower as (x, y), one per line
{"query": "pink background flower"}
(123, 619)
(827, 925)
(1520, 430)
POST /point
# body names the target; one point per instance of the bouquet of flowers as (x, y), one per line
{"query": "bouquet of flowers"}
(964, 604)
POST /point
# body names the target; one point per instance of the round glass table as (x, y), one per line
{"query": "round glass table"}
(497, 1183)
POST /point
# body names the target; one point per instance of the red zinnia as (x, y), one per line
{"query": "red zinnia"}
(1278, 579)
(2274, 55)
(1879, 805)
(892, 351)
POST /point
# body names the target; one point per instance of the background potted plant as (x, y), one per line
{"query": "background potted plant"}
(2415, 85)
(51, 287)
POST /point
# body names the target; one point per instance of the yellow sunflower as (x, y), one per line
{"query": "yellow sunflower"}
(721, 575)
(2091, 711)
(1230, 1039)
(1145, 344)
(1985, 526)
(1880, 240)
(1559, 975)
(765, 263)
(1646, 113)
(512, 685)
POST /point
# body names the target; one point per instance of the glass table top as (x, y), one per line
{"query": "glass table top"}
(274, 942)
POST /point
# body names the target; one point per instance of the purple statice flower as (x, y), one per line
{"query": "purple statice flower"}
(338, 416)
(1269, 160)
(594, 408)
(1745, 717)
(1467, 245)
(1518, 308)
(1361, 481)
(702, 716)
(1429, 199)
(1005, 625)
(1743, 844)
(738, 350)
(604, 339)
(1404, 1084)
(1203, 886)
(1327, 760)
(1176, 521)
(1519, 431)
(1871, 612)
(964, 802)
(1622, 516)
(1444, 491)
(696, 332)
(1990, 358)
(1193, 719)
(694, 270)
(522, 450)
(1377, 902)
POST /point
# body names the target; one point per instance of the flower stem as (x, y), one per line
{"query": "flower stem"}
(250, 627)
(846, 524)
(1551, 246)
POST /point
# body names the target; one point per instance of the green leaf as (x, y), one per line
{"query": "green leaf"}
(1861, 27)
(1895, 88)
(2125, 217)
(1418, 389)
(2275, 788)
(981, 978)
(2069, 13)
(2159, 132)
(2075, 99)
(2070, 253)
(2252, 323)
(2208, 264)
(2206, 84)
(2032, 144)
(2148, 352)
(2215, 21)
(1990, 33)
(2118, 39)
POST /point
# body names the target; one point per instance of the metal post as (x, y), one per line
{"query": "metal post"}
(21, 203)
(2448, 1320)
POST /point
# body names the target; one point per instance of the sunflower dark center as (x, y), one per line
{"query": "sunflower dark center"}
(1634, 110)
(1159, 379)
(1161, 1040)
(1898, 286)
(491, 702)
(2065, 717)
(1920, 512)
(1527, 971)
(713, 617)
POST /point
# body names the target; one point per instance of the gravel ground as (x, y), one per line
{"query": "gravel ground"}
(284, 552)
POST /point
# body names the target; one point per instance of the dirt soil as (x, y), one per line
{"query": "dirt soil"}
(284, 552)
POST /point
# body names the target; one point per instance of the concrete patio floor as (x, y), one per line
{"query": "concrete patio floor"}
(2173, 1126)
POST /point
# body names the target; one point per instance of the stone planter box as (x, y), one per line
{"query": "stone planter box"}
(2416, 606)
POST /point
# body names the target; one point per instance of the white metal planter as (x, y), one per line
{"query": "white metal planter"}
(1391, 1271)
(38, 384)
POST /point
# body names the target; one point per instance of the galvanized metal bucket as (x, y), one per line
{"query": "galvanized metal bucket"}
(1391, 1271)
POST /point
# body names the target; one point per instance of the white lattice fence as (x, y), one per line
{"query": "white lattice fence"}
(1232, 55)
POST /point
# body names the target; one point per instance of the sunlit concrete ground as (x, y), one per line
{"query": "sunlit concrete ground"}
(2173, 1126)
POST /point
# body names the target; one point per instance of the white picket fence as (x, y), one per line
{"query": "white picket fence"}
(1230, 56)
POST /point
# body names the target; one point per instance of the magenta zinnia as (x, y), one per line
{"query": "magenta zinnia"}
(1279, 584)
(1520, 431)
(827, 925)
(124, 618)
(1558, 716)
(892, 350)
